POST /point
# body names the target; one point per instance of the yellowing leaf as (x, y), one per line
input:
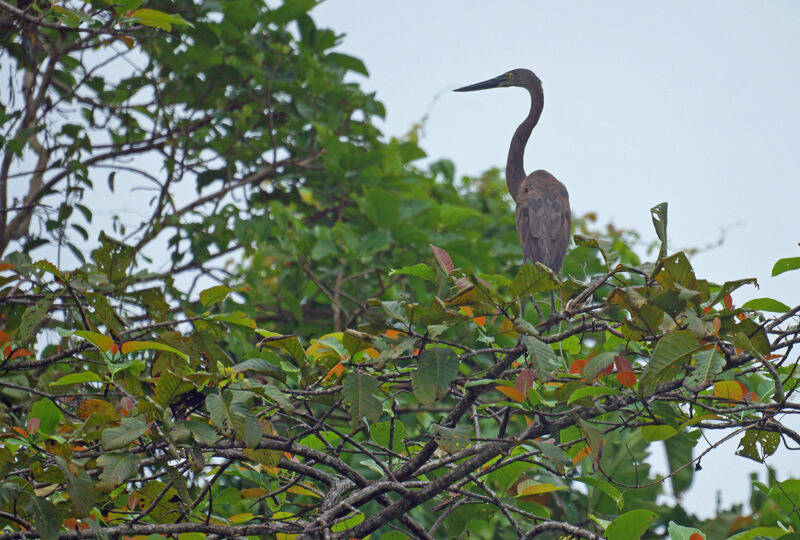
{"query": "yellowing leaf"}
(240, 518)
(529, 487)
(511, 393)
(729, 390)
(132, 346)
(300, 490)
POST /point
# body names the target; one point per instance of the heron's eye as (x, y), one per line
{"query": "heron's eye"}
(509, 75)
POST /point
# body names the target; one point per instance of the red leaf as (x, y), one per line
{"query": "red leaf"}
(577, 366)
(511, 393)
(717, 324)
(622, 363)
(626, 378)
(524, 381)
(727, 302)
(33, 425)
(20, 352)
(443, 258)
(696, 536)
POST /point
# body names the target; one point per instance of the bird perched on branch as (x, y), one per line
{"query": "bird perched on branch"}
(542, 214)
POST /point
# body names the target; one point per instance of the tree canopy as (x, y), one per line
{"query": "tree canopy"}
(304, 331)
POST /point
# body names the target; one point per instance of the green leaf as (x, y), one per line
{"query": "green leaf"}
(532, 280)
(48, 413)
(591, 391)
(785, 265)
(349, 63)
(760, 532)
(729, 286)
(100, 341)
(437, 367)
(679, 532)
(158, 19)
(130, 429)
(116, 469)
(631, 525)
(133, 346)
(33, 316)
(707, 365)
(77, 378)
(657, 433)
(238, 318)
(604, 487)
(214, 295)
(668, 356)
(382, 432)
(679, 453)
(659, 215)
(46, 518)
(454, 439)
(290, 11)
(420, 270)
(545, 362)
(358, 391)
(82, 492)
(758, 445)
(766, 304)
(288, 343)
(597, 364)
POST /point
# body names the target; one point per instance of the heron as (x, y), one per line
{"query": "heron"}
(542, 214)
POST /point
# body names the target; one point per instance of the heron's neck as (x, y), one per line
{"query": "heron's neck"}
(515, 167)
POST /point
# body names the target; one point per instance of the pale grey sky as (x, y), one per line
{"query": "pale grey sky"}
(693, 103)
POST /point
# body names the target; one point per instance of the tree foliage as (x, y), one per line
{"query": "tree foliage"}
(306, 333)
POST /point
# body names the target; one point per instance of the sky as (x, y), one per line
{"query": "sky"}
(692, 103)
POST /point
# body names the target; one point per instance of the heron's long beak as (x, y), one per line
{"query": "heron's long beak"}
(491, 83)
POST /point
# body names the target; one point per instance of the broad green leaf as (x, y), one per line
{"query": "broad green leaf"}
(349, 63)
(436, 368)
(679, 532)
(531, 487)
(420, 270)
(237, 317)
(758, 445)
(349, 522)
(102, 342)
(33, 316)
(679, 454)
(48, 413)
(760, 532)
(359, 395)
(785, 265)
(630, 525)
(454, 439)
(133, 346)
(596, 365)
(288, 343)
(729, 286)
(130, 429)
(290, 11)
(82, 492)
(594, 438)
(766, 304)
(545, 362)
(116, 469)
(591, 391)
(383, 432)
(77, 378)
(214, 295)
(158, 19)
(657, 433)
(279, 397)
(604, 487)
(532, 280)
(707, 365)
(46, 518)
(552, 452)
(670, 353)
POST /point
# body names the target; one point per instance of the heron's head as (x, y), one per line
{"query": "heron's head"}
(516, 77)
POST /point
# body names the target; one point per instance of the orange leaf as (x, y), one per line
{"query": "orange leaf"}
(511, 392)
(335, 371)
(252, 493)
(466, 310)
(727, 302)
(3, 337)
(626, 378)
(577, 366)
(104, 409)
(717, 324)
(696, 536)
(741, 316)
(372, 352)
(507, 328)
(6, 266)
(20, 431)
(729, 390)
(772, 356)
(706, 310)
(20, 352)
(480, 321)
(393, 334)
(582, 454)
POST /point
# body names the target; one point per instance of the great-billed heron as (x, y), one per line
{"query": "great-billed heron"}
(542, 214)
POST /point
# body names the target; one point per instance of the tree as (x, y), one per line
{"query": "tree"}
(356, 362)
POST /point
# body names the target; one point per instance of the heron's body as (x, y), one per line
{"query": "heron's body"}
(542, 214)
